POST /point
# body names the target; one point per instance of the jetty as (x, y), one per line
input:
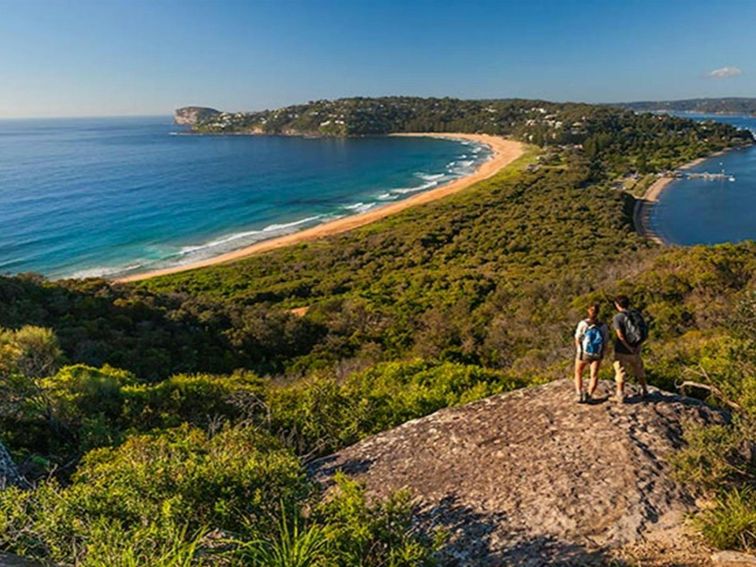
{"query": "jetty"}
(708, 176)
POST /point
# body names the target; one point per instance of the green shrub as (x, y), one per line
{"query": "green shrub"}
(161, 544)
(80, 390)
(190, 475)
(718, 460)
(30, 351)
(151, 500)
(712, 456)
(60, 417)
(313, 415)
(395, 392)
(197, 399)
(293, 545)
(80, 408)
(731, 523)
(374, 534)
(181, 477)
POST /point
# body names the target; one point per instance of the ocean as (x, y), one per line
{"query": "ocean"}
(699, 211)
(112, 196)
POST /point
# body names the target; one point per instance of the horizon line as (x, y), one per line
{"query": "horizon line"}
(82, 116)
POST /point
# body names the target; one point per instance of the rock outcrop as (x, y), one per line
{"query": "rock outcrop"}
(532, 478)
(8, 560)
(191, 115)
(9, 475)
(733, 559)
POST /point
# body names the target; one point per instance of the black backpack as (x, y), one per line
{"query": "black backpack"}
(636, 330)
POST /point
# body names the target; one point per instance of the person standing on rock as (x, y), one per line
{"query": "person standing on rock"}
(591, 338)
(631, 332)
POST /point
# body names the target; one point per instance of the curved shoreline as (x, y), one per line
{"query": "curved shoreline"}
(503, 151)
(645, 205)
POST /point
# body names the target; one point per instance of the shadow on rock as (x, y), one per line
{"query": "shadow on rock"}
(472, 540)
(324, 468)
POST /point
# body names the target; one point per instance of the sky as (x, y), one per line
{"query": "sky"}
(147, 57)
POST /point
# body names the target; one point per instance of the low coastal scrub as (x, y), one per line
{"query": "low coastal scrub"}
(148, 490)
(718, 462)
(731, 522)
(152, 500)
(82, 408)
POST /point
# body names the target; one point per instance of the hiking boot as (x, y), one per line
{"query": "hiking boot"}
(618, 398)
(580, 397)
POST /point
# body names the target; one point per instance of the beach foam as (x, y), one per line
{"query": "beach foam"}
(423, 187)
(429, 176)
(208, 249)
(267, 231)
(456, 169)
(104, 272)
(360, 207)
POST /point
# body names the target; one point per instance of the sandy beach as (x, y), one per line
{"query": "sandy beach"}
(644, 206)
(503, 151)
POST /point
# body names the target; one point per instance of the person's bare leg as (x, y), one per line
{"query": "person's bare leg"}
(579, 366)
(595, 367)
(619, 378)
(640, 373)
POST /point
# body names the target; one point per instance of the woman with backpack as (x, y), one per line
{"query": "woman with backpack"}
(591, 338)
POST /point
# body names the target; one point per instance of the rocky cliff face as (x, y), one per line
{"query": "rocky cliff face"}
(532, 478)
(191, 115)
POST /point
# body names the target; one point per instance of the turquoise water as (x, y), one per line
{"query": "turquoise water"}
(697, 211)
(86, 197)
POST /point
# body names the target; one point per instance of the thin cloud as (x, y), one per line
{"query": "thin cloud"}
(724, 73)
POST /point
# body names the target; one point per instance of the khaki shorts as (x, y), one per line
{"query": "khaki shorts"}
(582, 357)
(625, 364)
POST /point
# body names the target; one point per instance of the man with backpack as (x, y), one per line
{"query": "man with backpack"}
(631, 332)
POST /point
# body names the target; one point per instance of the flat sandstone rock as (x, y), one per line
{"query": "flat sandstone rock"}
(532, 478)
(733, 559)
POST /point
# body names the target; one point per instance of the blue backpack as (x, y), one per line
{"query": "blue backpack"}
(593, 342)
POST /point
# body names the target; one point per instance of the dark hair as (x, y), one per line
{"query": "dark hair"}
(593, 310)
(623, 301)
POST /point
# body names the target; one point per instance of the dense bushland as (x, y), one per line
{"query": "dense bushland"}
(174, 419)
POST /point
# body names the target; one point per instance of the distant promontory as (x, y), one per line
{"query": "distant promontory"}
(193, 115)
(727, 105)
